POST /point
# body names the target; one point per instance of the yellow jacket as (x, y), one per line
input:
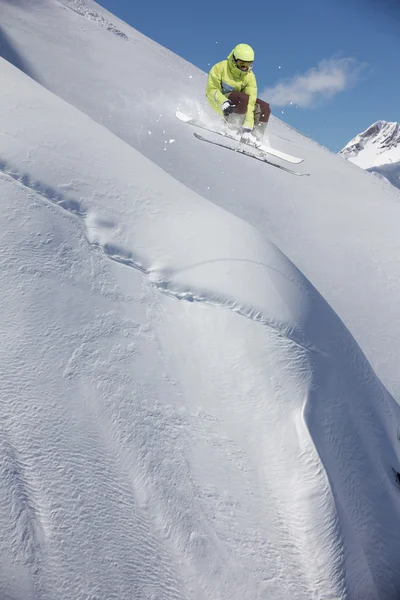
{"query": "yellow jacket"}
(224, 78)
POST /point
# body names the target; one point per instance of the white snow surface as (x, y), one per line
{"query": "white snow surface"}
(377, 149)
(199, 361)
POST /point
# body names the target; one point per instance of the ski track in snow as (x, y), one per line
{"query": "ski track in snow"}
(125, 257)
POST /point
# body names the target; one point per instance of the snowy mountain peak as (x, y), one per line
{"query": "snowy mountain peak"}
(377, 145)
(377, 149)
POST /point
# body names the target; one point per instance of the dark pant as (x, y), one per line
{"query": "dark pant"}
(262, 110)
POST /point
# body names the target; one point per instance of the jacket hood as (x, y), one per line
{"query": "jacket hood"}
(233, 70)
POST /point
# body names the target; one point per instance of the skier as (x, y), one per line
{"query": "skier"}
(232, 93)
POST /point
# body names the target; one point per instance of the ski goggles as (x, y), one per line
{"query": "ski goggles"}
(243, 65)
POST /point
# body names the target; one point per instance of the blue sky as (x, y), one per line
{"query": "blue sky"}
(337, 61)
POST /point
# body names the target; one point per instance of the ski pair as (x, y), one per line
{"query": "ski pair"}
(266, 149)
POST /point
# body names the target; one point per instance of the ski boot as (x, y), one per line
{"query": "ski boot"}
(258, 134)
(233, 124)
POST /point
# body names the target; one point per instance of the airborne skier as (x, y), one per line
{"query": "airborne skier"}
(232, 93)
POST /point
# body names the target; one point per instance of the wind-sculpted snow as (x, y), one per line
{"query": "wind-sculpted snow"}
(184, 415)
(281, 279)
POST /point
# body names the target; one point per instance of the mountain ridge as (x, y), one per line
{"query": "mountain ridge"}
(377, 150)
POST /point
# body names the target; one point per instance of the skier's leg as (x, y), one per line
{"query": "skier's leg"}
(257, 114)
(262, 113)
(265, 110)
(236, 118)
(240, 100)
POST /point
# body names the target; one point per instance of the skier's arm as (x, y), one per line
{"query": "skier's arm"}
(251, 90)
(213, 89)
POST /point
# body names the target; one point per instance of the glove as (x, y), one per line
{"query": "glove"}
(245, 130)
(227, 107)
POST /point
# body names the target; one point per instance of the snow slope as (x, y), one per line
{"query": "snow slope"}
(339, 228)
(184, 415)
(378, 150)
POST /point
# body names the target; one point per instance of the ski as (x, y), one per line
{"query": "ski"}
(266, 149)
(250, 155)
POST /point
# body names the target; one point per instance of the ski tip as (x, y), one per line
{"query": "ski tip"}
(182, 117)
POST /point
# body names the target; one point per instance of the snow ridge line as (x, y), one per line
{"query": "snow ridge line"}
(49, 193)
(248, 312)
(126, 258)
(80, 7)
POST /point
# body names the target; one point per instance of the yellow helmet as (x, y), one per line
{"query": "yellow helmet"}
(243, 52)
